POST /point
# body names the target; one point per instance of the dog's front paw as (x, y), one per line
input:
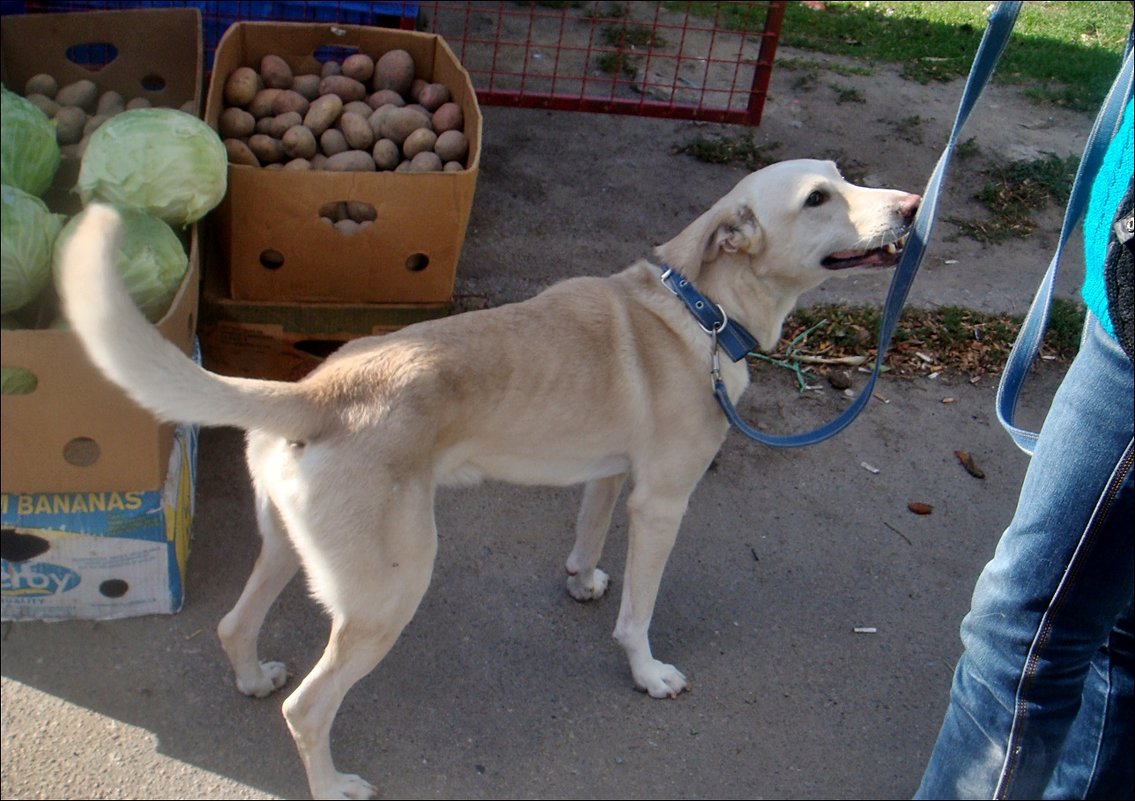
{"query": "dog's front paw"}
(660, 680)
(344, 785)
(273, 676)
(588, 586)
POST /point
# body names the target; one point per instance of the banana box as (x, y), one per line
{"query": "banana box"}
(99, 555)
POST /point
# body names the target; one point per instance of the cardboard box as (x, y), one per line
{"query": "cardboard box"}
(100, 555)
(286, 341)
(275, 244)
(76, 431)
(218, 15)
(164, 66)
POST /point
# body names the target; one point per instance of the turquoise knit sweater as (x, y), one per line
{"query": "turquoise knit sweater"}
(1107, 190)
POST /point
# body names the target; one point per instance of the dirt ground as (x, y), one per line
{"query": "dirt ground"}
(815, 615)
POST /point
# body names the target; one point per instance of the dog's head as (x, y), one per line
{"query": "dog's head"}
(785, 229)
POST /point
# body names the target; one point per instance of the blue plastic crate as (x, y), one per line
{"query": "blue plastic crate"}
(216, 16)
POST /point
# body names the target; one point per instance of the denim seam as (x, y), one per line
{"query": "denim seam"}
(1087, 541)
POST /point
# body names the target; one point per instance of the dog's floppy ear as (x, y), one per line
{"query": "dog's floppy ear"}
(729, 228)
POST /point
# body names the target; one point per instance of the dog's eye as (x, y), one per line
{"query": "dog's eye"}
(817, 198)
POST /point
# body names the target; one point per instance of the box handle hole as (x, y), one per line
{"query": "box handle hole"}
(153, 83)
(81, 452)
(348, 216)
(92, 55)
(271, 259)
(114, 588)
(17, 547)
(417, 262)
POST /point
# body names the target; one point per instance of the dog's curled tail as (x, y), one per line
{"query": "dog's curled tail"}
(149, 368)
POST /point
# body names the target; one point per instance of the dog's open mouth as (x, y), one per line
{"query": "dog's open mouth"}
(885, 256)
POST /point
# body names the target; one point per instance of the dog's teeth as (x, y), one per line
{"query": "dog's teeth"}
(891, 249)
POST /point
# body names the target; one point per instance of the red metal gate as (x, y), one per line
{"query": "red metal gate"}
(694, 60)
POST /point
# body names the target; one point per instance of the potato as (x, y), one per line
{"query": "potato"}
(358, 107)
(236, 123)
(298, 164)
(347, 88)
(41, 84)
(448, 117)
(275, 72)
(433, 95)
(452, 146)
(385, 97)
(332, 142)
(401, 122)
(240, 153)
(361, 212)
(82, 93)
(261, 104)
(453, 166)
(359, 66)
(419, 141)
(356, 130)
(394, 70)
(93, 122)
(347, 227)
(290, 100)
(351, 161)
(322, 113)
(330, 68)
(141, 102)
(268, 149)
(241, 86)
(276, 126)
(386, 154)
(110, 102)
(377, 117)
(334, 211)
(307, 85)
(69, 122)
(44, 104)
(426, 161)
(299, 142)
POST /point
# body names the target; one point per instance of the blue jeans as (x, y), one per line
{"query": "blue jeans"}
(1041, 703)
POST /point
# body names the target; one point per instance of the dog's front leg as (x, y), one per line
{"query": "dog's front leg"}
(654, 522)
(585, 581)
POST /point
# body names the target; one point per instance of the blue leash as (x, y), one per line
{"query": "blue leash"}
(996, 36)
(1031, 335)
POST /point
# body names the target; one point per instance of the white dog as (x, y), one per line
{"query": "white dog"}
(591, 381)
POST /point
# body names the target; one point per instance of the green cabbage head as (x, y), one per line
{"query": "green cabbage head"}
(164, 161)
(29, 154)
(151, 259)
(28, 232)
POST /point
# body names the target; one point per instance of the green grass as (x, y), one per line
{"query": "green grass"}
(944, 339)
(1013, 191)
(1067, 51)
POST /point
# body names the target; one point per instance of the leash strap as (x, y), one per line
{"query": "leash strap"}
(1031, 335)
(993, 42)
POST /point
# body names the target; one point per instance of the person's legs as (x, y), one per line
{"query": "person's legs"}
(1049, 599)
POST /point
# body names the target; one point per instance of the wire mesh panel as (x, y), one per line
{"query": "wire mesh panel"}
(708, 61)
(693, 60)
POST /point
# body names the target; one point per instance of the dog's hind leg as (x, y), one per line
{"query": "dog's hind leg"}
(654, 520)
(372, 590)
(585, 582)
(240, 628)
